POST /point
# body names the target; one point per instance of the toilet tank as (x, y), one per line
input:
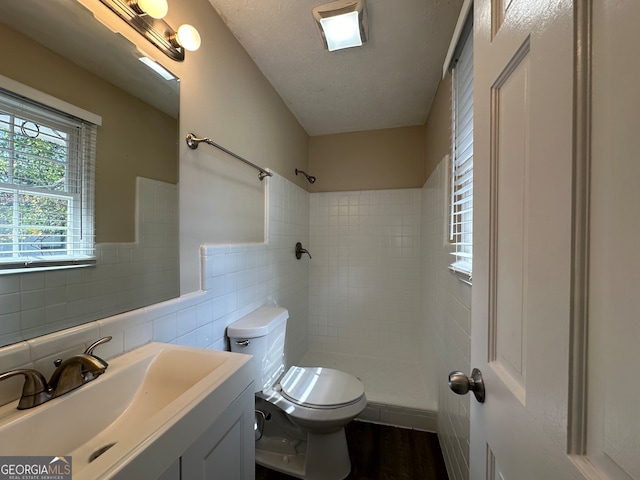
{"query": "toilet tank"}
(261, 334)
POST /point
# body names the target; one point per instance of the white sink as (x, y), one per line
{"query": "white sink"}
(142, 395)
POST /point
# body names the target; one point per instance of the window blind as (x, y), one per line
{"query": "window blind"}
(47, 161)
(461, 216)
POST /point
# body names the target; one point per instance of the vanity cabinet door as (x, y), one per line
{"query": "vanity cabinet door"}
(172, 473)
(227, 448)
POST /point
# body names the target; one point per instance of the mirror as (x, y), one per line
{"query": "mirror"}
(59, 48)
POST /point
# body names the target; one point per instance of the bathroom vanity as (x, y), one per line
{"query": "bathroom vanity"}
(160, 411)
(224, 450)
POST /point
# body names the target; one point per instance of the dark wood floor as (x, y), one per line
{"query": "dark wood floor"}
(379, 452)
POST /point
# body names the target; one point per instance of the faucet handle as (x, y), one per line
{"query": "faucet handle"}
(35, 390)
(300, 251)
(91, 348)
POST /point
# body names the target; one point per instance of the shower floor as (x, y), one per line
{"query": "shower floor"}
(395, 390)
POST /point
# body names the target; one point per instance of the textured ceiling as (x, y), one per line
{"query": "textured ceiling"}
(388, 82)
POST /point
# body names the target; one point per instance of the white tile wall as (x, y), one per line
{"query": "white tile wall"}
(127, 276)
(445, 328)
(364, 308)
(236, 279)
(365, 273)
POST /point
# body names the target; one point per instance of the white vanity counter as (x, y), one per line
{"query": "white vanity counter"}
(152, 407)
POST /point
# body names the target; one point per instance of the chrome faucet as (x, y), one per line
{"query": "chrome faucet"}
(69, 374)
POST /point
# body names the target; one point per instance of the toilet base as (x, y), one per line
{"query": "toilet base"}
(322, 457)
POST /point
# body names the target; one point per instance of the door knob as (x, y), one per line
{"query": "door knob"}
(461, 384)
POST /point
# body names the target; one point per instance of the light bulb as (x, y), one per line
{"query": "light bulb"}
(188, 37)
(154, 8)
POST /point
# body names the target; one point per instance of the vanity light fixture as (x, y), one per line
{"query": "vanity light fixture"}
(146, 16)
(186, 37)
(342, 24)
(154, 8)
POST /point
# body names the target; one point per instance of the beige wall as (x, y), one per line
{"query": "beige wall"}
(438, 127)
(369, 160)
(124, 148)
(223, 95)
(383, 159)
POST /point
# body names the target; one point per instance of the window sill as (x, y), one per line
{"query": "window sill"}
(463, 276)
(10, 268)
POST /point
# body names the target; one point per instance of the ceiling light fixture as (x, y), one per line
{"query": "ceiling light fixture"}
(146, 16)
(342, 24)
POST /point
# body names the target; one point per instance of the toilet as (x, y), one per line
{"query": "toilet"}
(301, 411)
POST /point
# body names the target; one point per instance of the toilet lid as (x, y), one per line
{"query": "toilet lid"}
(321, 387)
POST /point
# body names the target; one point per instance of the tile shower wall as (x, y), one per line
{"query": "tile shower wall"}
(365, 274)
(128, 275)
(446, 326)
(235, 278)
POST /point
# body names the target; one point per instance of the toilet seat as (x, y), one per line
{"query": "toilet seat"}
(318, 399)
(319, 387)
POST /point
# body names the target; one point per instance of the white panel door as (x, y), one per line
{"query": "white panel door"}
(613, 430)
(523, 144)
(542, 327)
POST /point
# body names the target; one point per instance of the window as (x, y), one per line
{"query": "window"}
(461, 215)
(47, 163)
